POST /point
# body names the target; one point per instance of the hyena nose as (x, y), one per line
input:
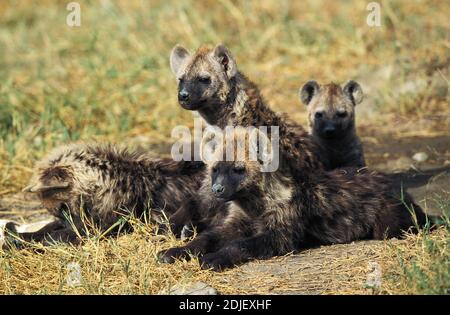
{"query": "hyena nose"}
(183, 95)
(218, 189)
(329, 130)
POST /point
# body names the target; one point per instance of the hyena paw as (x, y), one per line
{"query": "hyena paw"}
(169, 256)
(215, 262)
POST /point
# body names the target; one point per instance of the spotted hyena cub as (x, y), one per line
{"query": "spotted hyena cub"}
(271, 213)
(331, 113)
(211, 84)
(104, 183)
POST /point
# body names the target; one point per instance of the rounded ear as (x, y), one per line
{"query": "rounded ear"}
(178, 56)
(226, 60)
(354, 91)
(308, 91)
(260, 146)
(212, 141)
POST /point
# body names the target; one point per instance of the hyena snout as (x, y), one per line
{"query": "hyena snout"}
(329, 130)
(183, 95)
(218, 189)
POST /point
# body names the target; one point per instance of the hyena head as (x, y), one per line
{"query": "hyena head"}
(53, 184)
(331, 109)
(204, 77)
(234, 160)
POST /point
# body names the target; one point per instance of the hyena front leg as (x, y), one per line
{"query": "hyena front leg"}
(260, 246)
(55, 231)
(186, 215)
(234, 226)
(205, 242)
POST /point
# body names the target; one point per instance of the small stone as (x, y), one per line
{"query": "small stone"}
(420, 157)
(194, 288)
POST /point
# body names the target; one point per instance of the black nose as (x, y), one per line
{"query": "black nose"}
(183, 95)
(218, 189)
(329, 131)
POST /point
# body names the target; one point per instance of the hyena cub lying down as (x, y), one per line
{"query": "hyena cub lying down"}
(103, 183)
(270, 213)
(331, 115)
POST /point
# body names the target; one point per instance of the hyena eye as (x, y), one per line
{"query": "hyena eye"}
(204, 79)
(318, 115)
(342, 114)
(239, 170)
(215, 169)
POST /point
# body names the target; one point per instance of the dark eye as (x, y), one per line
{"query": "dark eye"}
(204, 79)
(342, 114)
(215, 169)
(239, 170)
(318, 115)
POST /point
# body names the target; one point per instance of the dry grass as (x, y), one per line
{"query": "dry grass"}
(127, 264)
(109, 80)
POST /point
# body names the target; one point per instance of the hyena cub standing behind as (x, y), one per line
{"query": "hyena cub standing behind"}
(331, 115)
(103, 183)
(271, 213)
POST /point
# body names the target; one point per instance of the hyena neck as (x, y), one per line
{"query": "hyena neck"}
(343, 142)
(243, 105)
(251, 200)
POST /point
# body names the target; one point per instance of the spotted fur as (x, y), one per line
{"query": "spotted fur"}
(211, 84)
(271, 213)
(105, 183)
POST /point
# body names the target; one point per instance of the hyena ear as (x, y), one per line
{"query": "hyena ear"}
(226, 60)
(40, 187)
(308, 91)
(260, 146)
(353, 91)
(178, 57)
(212, 141)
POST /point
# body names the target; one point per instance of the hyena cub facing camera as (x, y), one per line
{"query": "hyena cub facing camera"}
(272, 213)
(103, 183)
(331, 116)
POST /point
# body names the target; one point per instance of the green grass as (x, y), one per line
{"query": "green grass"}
(422, 264)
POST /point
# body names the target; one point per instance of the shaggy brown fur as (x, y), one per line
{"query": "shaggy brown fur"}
(211, 84)
(272, 214)
(104, 183)
(331, 113)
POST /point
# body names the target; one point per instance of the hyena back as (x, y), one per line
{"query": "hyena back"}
(331, 116)
(104, 183)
